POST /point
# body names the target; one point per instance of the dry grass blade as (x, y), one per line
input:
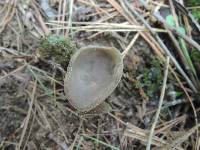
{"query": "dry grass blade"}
(70, 14)
(125, 52)
(64, 12)
(32, 97)
(30, 130)
(7, 18)
(158, 142)
(116, 6)
(97, 26)
(173, 12)
(189, 99)
(40, 19)
(184, 136)
(159, 105)
(97, 8)
(13, 72)
(141, 134)
(77, 135)
(58, 123)
(59, 14)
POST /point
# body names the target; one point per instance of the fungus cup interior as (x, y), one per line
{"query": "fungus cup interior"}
(92, 75)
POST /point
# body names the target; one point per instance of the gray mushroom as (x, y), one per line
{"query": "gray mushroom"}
(92, 75)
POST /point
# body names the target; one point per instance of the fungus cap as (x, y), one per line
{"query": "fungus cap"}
(92, 75)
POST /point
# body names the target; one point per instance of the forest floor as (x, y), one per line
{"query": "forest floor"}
(156, 105)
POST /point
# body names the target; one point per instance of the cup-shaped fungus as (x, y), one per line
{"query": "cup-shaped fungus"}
(93, 73)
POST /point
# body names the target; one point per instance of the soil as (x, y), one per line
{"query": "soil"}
(53, 123)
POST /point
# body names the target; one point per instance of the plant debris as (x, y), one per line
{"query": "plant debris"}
(37, 40)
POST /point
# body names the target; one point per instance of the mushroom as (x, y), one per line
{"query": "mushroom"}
(92, 75)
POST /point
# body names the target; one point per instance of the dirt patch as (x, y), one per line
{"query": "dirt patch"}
(13, 108)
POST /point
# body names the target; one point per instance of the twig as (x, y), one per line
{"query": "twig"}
(174, 12)
(59, 15)
(47, 9)
(40, 19)
(159, 105)
(64, 13)
(178, 48)
(70, 14)
(130, 45)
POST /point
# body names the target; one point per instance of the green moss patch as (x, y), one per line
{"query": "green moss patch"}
(57, 48)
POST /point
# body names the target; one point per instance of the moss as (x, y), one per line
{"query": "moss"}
(193, 2)
(151, 78)
(195, 55)
(196, 13)
(56, 48)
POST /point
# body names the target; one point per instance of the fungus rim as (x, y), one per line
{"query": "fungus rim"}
(99, 99)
